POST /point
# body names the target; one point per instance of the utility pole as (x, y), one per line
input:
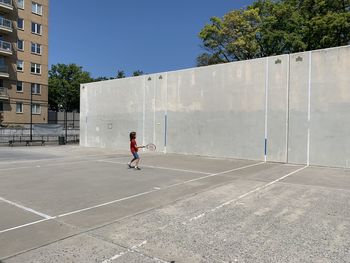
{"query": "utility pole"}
(65, 111)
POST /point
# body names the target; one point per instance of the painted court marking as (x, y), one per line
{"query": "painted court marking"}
(54, 164)
(158, 167)
(215, 174)
(25, 225)
(244, 195)
(156, 190)
(25, 208)
(132, 249)
(47, 217)
(104, 204)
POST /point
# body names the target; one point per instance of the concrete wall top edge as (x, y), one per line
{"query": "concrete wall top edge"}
(93, 84)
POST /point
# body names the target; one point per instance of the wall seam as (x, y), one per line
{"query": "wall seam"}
(266, 106)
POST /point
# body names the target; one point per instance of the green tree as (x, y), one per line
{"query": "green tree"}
(300, 25)
(206, 59)
(281, 28)
(101, 79)
(64, 86)
(231, 38)
(269, 27)
(120, 74)
(137, 73)
(327, 22)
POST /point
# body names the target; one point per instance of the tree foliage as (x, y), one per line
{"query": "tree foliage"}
(233, 37)
(101, 79)
(137, 73)
(120, 74)
(270, 27)
(64, 86)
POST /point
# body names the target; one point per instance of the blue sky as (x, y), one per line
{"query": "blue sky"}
(150, 35)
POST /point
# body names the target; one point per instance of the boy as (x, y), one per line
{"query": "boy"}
(134, 150)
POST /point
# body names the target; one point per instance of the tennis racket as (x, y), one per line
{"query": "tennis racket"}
(150, 147)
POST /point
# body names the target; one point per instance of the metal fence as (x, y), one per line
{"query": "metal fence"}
(21, 135)
(73, 120)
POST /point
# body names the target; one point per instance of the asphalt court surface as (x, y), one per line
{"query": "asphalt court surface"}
(73, 204)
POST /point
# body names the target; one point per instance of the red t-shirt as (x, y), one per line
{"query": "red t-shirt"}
(133, 146)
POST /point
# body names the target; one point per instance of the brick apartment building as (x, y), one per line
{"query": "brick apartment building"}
(24, 61)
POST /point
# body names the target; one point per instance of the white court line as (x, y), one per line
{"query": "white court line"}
(42, 166)
(244, 195)
(53, 164)
(25, 208)
(156, 190)
(21, 226)
(104, 204)
(137, 195)
(220, 173)
(158, 167)
(62, 158)
(132, 249)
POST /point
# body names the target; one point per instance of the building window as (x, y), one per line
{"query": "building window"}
(20, 44)
(19, 86)
(20, 65)
(36, 48)
(35, 68)
(36, 88)
(19, 107)
(20, 23)
(3, 66)
(20, 4)
(36, 109)
(36, 28)
(1, 106)
(37, 8)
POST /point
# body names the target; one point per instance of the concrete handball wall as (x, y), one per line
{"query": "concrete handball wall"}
(290, 108)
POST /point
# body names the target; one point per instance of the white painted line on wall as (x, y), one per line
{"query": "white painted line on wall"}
(144, 112)
(245, 195)
(166, 114)
(154, 110)
(287, 110)
(25, 208)
(309, 109)
(158, 167)
(266, 105)
(132, 249)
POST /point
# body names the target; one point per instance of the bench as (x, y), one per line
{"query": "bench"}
(28, 142)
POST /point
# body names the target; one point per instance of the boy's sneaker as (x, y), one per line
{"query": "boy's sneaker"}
(137, 168)
(130, 166)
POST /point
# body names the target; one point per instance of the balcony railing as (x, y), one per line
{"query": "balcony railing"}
(5, 23)
(5, 46)
(7, 3)
(3, 93)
